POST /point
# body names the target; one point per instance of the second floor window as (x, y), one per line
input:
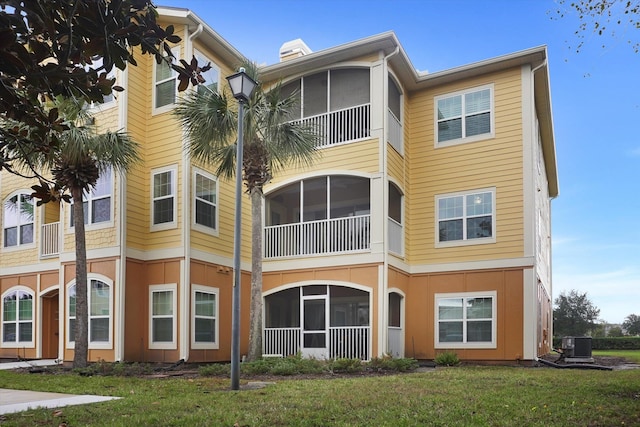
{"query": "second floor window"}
(97, 203)
(165, 85)
(164, 198)
(464, 116)
(205, 194)
(466, 217)
(18, 220)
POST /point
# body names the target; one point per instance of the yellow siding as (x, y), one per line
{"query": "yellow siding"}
(495, 162)
(396, 166)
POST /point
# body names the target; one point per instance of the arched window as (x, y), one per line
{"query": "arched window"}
(99, 304)
(17, 317)
(18, 220)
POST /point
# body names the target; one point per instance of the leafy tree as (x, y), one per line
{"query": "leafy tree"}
(49, 49)
(75, 164)
(615, 331)
(574, 314)
(631, 324)
(601, 17)
(271, 143)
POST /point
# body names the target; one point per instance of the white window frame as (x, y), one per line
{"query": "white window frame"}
(89, 198)
(173, 169)
(464, 139)
(17, 343)
(201, 227)
(174, 76)
(205, 345)
(203, 59)
(164, 345)
(465, 241)
(466, 345)
(93, 345)
(108, 101)
(19, 245)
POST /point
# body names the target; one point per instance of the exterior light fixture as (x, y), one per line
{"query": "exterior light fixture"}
(242, 87)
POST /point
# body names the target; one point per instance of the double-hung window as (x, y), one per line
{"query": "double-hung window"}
(464, 116)
(18, 220)
(165, 84)
(17, 318)
(204, 308)
(162, 322)
(97, 203)
(164, 202)
(205, 190)
(466, 320)
(99, 307)
(211, 76)
(465, 218)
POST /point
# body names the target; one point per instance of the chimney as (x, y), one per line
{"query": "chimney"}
(293, 49)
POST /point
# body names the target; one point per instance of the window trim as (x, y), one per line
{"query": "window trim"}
(200, 227)
(465, 241)
(92, 345)
(18, 246)
(215, 345)
(465, 139)
(174, 194)
(95, 107)
(466, 345)
(164, 345)
(17, 343)
(89, 226)
(168, 107)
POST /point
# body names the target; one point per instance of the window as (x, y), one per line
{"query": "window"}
(466, 320)
(466, 218)
(465, 116)
(107, 100)
(18, 220)
(17, 318)
(97, 203)
(211, 77)
(204, 308)
(164, 199)
(162, 325)
(99, 306)
(205, 198)
(165, 84)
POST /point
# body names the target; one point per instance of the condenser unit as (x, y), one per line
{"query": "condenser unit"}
(577, 349)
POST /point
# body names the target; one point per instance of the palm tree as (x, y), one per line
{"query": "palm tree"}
(76, 164)
(271, 143)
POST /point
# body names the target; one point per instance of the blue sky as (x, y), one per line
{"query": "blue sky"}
(595, 95)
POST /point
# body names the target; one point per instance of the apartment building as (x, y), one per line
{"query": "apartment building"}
(424, 227)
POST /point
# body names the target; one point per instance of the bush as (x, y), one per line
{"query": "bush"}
(448, 358)
(215, 369)
(344, 365)
(608, 343)
(388, 363)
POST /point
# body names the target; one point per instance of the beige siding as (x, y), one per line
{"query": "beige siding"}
(495, 162)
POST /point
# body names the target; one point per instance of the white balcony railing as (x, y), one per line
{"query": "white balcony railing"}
(50, 240)
(351, 342)
(395, 133)
(336, 235)
(336, 127)
(395, 341)
(396, 237)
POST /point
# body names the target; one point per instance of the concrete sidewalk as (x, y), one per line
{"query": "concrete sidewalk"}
(12, 401)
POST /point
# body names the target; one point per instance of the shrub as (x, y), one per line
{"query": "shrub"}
(215, 369)
(388, 363)
(447, 358)
(345, 365)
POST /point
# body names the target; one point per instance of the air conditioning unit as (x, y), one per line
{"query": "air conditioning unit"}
(577, 348)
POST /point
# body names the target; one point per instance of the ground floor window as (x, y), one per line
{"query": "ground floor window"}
(466, 320)
(17, 318)
(162, 324)
(204, 306)
(99, 307)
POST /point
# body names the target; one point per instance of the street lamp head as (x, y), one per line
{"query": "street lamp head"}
(241, 85)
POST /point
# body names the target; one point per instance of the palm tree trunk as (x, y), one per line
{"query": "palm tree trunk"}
(255, 316)
(82, 334)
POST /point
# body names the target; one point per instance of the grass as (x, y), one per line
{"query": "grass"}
(460, 396)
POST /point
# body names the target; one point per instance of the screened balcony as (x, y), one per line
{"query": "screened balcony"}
(318, 216)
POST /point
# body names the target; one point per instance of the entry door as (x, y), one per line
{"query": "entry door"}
(314, 327)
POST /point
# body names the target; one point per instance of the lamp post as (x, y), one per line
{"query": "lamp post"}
(242, 87)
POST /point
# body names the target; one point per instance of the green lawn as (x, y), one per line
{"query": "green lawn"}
(475, 396)
(630, 355)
